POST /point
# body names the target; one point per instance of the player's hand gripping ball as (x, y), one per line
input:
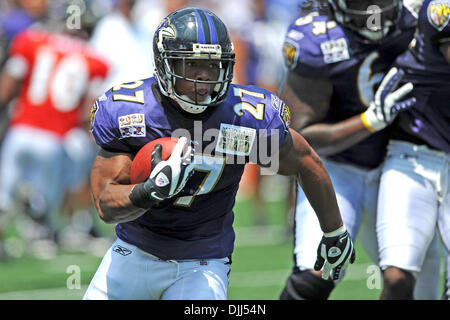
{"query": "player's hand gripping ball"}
(142, 164)
(162, 168)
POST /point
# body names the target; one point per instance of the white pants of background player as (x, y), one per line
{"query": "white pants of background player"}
(414, 200)
(46, 162)
(81, 152)
(129, 273)
(356, 191)
(35, 158)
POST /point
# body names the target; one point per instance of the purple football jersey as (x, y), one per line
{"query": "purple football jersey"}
(197, 223)
(429, 71)
(315, 45)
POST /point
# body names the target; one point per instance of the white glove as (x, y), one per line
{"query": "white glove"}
(334, 253)
(386, 105)
(169, 177)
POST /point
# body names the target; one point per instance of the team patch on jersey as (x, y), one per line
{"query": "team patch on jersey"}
(290, 52)
(285, 115)
(94, 109)
(335, 50)
(132, 125)
(439, 14)
(235, 140)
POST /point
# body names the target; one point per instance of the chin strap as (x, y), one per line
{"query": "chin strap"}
(190, 106)
(374, 35)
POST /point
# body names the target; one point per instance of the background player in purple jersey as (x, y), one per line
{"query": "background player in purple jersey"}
(414, 194)
(342, 101)
(175, 234)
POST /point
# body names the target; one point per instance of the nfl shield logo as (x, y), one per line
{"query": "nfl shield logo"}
(161, 180)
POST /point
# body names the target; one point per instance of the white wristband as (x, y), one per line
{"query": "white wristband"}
(336, 232)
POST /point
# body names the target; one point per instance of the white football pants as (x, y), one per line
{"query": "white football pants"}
(48, 163)
(356, 191)
(414, 201)
(129, 273)
(81, 151)
(36, 157)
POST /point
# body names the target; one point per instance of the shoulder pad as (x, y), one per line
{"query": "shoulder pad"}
(264, 113)
(268, 111)
(123, 112)
(103, 127)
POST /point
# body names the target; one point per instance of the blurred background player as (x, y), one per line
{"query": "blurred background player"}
(117, 37)
(55, 77)
(414, 194)
(122, 36)
(336, 62)
(24, 14)
(21, 15)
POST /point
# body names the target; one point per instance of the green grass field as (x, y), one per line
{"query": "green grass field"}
(261, 263)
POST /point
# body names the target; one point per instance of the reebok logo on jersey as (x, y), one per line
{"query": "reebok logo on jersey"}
(121, 250)
(334, 252)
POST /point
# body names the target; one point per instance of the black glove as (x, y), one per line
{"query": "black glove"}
(334, 253)
(167, 178)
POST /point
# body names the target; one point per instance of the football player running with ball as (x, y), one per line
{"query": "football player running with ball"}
(343, 95)
(176, 242)
(415, 184)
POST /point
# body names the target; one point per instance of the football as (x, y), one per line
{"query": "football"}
(142, 162)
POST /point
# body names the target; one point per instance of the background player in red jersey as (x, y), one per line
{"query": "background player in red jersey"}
(53, 77)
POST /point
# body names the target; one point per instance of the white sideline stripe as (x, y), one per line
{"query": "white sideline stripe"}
(237, 280)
